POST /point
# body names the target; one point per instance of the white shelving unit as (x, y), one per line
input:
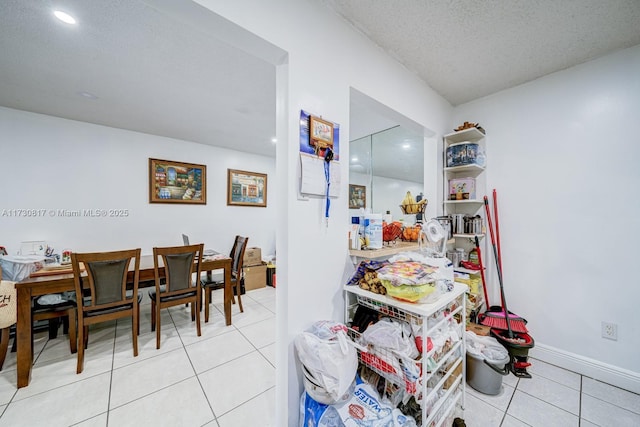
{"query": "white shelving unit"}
(471, 207)
(441, 386)
(467, 206)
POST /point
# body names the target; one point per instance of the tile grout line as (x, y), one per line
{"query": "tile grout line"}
(184, 347)
(580, 402)
(113, 361)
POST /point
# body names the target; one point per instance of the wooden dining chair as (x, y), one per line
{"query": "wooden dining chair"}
(180, 263)
(104, 296)
(217, 282)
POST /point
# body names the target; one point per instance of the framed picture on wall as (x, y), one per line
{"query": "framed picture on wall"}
(246, 188)
(177, 182)
(320, 133)
(357, 196)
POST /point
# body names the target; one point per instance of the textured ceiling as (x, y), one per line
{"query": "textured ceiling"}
(467, 49)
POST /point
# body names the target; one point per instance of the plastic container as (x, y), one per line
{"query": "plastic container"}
(462, 189)
(373, 231)
(483, 377)
(465, 153)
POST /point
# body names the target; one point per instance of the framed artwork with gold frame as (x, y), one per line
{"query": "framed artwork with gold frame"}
(246, 188)
(357, 196)
(320, 133)
(177, 182)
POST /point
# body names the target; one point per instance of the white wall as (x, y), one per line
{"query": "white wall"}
(51, 163)
(563, 154)
(325, 58)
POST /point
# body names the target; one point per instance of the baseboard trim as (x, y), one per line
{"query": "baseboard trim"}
(595, 369)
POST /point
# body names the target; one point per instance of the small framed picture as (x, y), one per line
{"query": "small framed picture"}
(357, 196)
(246, 188)
(320, 133)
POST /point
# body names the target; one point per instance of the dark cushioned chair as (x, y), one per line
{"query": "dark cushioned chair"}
(180, 264)
(105, 294)
(217, 281)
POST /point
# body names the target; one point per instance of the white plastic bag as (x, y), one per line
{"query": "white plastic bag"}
(392, 335)
(18, 267)
(330, 364)
(485, 347)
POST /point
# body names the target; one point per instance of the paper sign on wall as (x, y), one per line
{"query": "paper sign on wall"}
(313, 181)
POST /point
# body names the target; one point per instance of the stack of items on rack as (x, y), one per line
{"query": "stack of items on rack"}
(334, 395)
(415, 363)
(410, 277)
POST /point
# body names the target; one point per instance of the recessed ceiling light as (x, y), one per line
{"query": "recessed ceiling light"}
(354, 159)
(274, 140)
(64, 17)
(406, 145)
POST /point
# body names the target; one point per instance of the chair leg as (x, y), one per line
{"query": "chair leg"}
(238, 290)
(65, 325)
(73, 338)
(157, 311)
(135, 326)
(85, 332)
(4, 344)
(153, 315)
(54, 324)
(81, 345)
(207, 301)
(197, 311)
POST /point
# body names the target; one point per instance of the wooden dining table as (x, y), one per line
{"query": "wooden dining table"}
(63, 281)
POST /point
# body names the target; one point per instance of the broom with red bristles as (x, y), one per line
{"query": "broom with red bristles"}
(498, 316)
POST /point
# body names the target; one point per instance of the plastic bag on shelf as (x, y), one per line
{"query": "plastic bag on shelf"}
(363, 267)
(393, 335)
(410, 273)
(409, 293)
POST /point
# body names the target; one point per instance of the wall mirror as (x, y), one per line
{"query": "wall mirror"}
(386, 155)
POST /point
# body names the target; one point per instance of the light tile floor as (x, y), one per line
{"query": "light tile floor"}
(552, 397)
(226, 378)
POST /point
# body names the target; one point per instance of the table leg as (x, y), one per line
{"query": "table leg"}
(228, 293)
(24, 337)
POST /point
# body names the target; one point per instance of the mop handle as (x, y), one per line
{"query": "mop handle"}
(504, 301)
(495, 254)
(495, 213)
(484, 283)
(493, 241)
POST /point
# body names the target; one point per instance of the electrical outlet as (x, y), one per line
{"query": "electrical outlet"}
(610, 331)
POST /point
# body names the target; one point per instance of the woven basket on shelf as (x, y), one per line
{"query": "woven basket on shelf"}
(412, 209)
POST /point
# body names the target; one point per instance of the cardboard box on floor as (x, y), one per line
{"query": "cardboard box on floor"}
(252, 256)
(255, 276)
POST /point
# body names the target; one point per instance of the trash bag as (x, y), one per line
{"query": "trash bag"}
(487, 348)
(329, 361)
